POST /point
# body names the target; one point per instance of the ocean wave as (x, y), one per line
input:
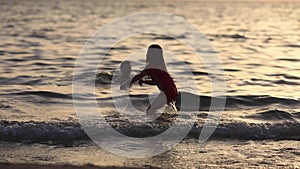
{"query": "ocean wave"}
(234, 102)
(233, 36)
(45, 94)
(203, 102)
(41, 131)
(289, 59)
(286, 76)
(231, 102)
(68, 132)
(263, 82)
(257, 131)
(259, 101)
(275, 115)
(292, 46)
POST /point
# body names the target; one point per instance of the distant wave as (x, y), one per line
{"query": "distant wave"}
(273, 82)
(232, 36)
(275, 115)
(204, 102)
(235, 102)
(259, 100)
(68, 132)
(292, 46)
(286, 76)
(289, 59)
(254, 131)
(45, 94)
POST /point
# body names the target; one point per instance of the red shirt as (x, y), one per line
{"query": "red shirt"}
(164, 82)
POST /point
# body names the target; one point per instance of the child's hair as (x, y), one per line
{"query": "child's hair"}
(154, 58)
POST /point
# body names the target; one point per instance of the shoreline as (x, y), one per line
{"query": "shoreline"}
(188, 154)
(64, 166)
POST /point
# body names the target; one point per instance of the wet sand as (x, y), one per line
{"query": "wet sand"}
(88, 166)
(188, 154)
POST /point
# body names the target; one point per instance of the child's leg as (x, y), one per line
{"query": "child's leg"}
(172, 106)
(158, 102)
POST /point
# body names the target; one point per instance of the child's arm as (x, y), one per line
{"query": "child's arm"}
(125, 85)
(138, 76)
(149, 82)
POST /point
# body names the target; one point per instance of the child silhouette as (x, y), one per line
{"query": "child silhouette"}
(123, 78)
(157, 71)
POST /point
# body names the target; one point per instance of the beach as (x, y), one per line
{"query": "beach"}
(188, 154)
(30, 166)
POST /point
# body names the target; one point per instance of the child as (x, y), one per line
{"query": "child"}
(157, 71)
(123, 78)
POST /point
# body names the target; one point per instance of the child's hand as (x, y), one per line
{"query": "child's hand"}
(141, 82)
(122, 87)
(125, 85)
